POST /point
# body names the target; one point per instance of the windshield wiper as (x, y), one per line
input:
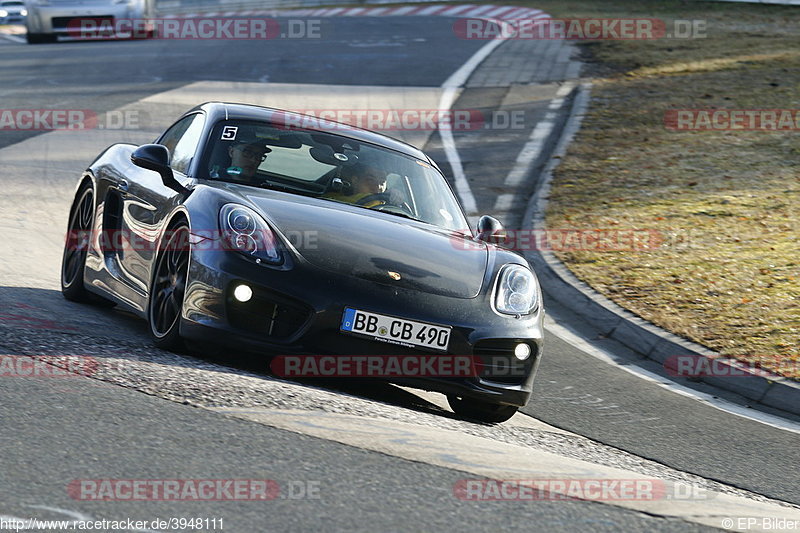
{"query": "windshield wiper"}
(399, 213)
(286, 188)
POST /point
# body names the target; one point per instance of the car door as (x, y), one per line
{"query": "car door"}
(147, 201)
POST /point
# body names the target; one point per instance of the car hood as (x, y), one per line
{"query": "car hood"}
(378, 247)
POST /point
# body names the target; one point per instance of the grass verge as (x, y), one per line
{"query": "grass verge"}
(728, 274)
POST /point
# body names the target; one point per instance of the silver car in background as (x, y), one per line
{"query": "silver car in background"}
(12, 12)
(47, 19)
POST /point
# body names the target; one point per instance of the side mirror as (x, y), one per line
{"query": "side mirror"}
(155, 157)
(491, 230)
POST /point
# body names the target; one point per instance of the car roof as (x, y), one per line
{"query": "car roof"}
(217, 111)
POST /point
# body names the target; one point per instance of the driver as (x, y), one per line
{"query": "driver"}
(367, 186)
(246, 155)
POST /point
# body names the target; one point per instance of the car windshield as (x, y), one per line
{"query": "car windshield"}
(331, 167)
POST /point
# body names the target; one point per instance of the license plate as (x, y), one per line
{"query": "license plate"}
(396, 330)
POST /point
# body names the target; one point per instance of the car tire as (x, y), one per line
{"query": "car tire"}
(73, 262)
(35, 38)
(168, 287)
(491, 413)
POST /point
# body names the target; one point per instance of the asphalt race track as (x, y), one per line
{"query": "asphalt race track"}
(352, 456)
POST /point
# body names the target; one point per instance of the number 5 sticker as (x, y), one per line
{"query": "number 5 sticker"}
(229, 133)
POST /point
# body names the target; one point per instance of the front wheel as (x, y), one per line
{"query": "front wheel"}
(492, 413)
(168, 288)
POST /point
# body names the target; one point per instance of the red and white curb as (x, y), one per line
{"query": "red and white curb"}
(462, 11)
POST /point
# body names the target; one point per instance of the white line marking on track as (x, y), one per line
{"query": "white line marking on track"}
(567, 335)
(446, 133)
(13, 38)
(533, 148)
(75, 515)
(451, 86)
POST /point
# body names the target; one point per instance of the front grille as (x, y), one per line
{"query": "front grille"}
(495, 361)
(267, 314)
(91, 24)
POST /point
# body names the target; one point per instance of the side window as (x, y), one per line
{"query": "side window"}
(182, 140)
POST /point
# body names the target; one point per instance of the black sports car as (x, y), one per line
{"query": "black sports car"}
(273, 232)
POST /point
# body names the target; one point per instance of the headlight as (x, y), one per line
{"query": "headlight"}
(517, 290)
(24, 12)
(245, 231)
(3, 13)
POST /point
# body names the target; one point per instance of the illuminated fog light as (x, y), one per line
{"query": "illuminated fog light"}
(243, 293)
(522, 351)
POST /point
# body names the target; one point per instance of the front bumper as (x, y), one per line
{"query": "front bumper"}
(298, 308)
(65, 20)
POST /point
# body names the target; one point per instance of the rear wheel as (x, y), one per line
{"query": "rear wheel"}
(77, 243)
(492, 413)
(168, 288)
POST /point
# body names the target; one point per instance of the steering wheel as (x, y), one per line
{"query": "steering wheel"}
(386, 203)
